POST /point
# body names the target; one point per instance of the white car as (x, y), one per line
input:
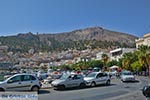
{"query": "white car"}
(48, 80)
(19, 82)
(68, 81)
(42, 75)
(127, 76)
(96, 78)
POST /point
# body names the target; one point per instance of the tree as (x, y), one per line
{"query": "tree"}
(136, 66)
(144, 56)
(120, 63)
(105, 59)
(65, 67)
(96, 63)
(80, 66)
(127, 61)
(111, 63)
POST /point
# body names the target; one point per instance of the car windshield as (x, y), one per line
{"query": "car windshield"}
(128, 73)
(64, 76)
(91, 75)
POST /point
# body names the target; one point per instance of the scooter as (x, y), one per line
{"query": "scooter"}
(146, 92)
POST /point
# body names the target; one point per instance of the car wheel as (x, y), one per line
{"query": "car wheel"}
(82, 85)
(122, 80)
(2, 90)
(108, 82)
(93, 84)
(35, 88)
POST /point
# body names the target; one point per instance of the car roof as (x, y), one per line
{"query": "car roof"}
(97, 72)
(126, 72)
(72, 74)
(23, 74)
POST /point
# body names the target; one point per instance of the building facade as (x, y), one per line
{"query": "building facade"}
(143, 41)
(118, 53)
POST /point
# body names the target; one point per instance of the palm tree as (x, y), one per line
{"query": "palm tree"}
(144, 56)
(105, 59)
(126, 62)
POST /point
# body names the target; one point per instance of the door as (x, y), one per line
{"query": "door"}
(26, 81)
(14, 83)
(77, 79)
(69, 81)
(104, 78)
(73, 81)
(99, 79)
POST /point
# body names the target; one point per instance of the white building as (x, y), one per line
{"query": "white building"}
(117, 53)
(99, 55)
(143, 41)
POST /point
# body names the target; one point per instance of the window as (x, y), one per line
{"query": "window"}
(91, 75)
(33, 78)
(26, 78)
(104, 74)
(76, 77)
(99, 75)
(15, 79)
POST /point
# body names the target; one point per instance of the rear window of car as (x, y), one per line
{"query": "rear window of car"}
(25, 78)
(33, 78)
(28, 78)
(105, 74)
(127, 73)
(101, 75)
(77, 77)
(91, 75)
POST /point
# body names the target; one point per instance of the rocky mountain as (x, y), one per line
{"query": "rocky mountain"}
(93, 37)
(93, 33)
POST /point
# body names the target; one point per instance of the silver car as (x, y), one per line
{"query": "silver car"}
(19, 82)
(96, 78)
(68, 81)
(127, 76)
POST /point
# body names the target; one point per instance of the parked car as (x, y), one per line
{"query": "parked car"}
(19, 82)
(96, 78)
(127, 76)
(48, 80)
(42, 75)
(68, 81)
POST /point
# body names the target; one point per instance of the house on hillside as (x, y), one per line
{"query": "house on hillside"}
(3, 49)
(5, 67)
(99, 55)
(143, 41)
(117, 53)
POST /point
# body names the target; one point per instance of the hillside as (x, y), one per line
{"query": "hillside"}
(94, 37)
(96, 33)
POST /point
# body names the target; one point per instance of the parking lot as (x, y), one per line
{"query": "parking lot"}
(116, 91)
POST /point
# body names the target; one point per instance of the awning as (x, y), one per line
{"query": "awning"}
(112, 67)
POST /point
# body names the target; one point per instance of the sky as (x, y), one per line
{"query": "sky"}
(55, 16)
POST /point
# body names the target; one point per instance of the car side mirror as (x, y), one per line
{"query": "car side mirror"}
(10, 81)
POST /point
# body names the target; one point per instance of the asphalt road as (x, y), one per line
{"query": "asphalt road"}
(102, 92)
